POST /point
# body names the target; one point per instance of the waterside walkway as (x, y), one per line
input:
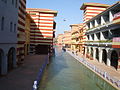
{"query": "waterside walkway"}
(107, 73)
(22, 78)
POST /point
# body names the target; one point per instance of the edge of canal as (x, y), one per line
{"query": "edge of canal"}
(40, 73)
(86, 64)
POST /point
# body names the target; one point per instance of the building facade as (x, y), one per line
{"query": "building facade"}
(90, 11)
(103, 35)
(28, 21)
(8, 35)
(60, 39)
(42, 30)
(74, 37)
(67, 39)
(21, 31)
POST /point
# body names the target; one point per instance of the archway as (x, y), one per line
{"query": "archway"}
(84, 51)
(1, 59)
(42, 49)
(104, 56)
(97, 54)
(91, 52)
(114, 59)
(11, 55)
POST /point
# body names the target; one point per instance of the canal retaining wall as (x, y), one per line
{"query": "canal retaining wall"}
(39, 76)
(104, 75)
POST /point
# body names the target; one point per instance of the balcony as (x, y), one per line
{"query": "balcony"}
(73, 42)
(99, 43)
(75, 36)
(99, 27)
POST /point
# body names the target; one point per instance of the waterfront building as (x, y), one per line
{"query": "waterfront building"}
(90, 11)
(81, 43)
(21, 31)
(75, 37)
(42, 30)
(8, 35)
(103, 37)
(27, 33)
(60, 39)
(67, 39)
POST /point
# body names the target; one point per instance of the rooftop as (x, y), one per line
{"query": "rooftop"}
(93, 4)
(43, 10)
(76, 24)
(111, 7)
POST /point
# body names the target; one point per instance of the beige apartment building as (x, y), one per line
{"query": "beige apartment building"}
(60, 39)
(67, 39)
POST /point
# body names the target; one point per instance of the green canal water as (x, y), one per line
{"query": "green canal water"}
(66, 73)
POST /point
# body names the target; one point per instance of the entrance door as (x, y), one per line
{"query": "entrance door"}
(97, 54)
(10, 59)
(104, 56)
(114, 59)
(1, 57)
(42, 49)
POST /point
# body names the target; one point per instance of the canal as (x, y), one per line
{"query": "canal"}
(66, 73)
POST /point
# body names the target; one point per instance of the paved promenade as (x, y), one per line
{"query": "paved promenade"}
(108, 73)
(22, 78)
(109, 69)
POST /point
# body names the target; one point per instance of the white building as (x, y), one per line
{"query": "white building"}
(101, 31)
(8, 34)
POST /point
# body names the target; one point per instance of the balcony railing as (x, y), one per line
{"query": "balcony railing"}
(75, 36)
(100, 26)
(101, 42)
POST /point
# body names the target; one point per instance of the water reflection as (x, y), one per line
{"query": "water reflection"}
(103, 85)
(66, 73)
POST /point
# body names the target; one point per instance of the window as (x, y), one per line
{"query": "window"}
(14, 27)
(12, 1)
(2, 24)
(11, 26)
(5, 1)
(16, 4)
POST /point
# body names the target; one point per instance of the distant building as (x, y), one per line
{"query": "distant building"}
(67, 39)
(21, 31)
(42, 30)
(74, 37)
(8, 34)
(103, 37)
(80, 37)
(60, 39)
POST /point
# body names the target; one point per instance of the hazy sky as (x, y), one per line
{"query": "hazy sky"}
(68, 10)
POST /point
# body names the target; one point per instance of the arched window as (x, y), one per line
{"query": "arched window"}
(12, 1)
(5, 1)
(14, 27)
(11, 26)
(16, 3)
(2, 24)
